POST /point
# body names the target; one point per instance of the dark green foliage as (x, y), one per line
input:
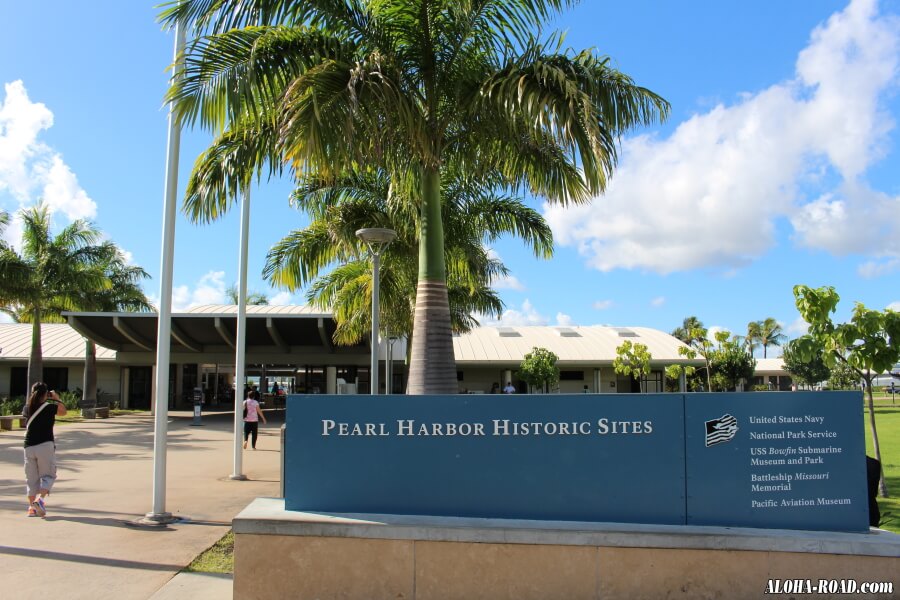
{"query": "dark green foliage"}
(731, 364)
(539, 369)
(811, 371)
(12, 406)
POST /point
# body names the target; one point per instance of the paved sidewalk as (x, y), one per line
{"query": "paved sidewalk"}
(86, 547)
(197, 586)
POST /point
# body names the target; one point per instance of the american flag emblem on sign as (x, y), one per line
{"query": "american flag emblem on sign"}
(721, 430)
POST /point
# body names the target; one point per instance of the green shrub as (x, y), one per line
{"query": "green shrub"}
(70, 400)
(760, 387)
(12, 406)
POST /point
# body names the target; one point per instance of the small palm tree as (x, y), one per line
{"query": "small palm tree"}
(691, 331)
(413, 86)
(473, 215)
(754, 335)
(50, 275)
(123, 294)
(253, 298)
(770, 334)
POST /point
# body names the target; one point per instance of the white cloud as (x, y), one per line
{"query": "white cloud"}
(797, 328)
(20, 123)
(871, 269)
(894, 306)
(5, 318)
(509, 282)
(658, 301)
(210, 289)
(709, 195)
(564, 320)
(603, 304)
(30, 170)
(527, 315)
(62, 192)
(281, 299)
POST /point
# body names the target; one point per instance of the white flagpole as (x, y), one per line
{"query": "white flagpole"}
(163, 336)
(241, 336)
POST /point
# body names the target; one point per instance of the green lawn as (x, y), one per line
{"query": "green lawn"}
(887, 420)
(219, 558)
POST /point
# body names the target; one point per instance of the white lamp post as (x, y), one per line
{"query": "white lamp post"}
(376, 239)
(159, 515)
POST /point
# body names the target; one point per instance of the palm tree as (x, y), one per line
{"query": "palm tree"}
(691, 331)
(770, 334)
(123, 294)
(473, 215)
(754, 335)
(414, 86)
(253, 298)
(51, 275)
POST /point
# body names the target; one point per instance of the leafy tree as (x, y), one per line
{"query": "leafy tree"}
(633, 360)
(253, 298)
(674, 373)
(539, 369)
(809, 372)
(50, 275)
(474, 216)
(869, 344)
(730, 362)
(412, 86)
(694, 334)
(843, 377)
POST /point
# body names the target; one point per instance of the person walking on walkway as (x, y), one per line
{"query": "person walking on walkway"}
(252, 415)
(41, 410)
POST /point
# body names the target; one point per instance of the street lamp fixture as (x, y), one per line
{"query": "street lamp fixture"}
(376, 240)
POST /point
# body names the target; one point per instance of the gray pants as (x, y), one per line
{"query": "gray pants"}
(40, 467)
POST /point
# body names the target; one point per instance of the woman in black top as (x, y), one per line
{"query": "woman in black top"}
(40, 448)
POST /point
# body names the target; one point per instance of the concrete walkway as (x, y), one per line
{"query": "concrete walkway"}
(87, 547)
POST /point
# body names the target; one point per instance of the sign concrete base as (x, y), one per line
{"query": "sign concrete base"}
(287, 554)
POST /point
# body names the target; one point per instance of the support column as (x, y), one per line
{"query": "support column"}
(331, 380)
(125, 394)
(682, 382)
(153, 389)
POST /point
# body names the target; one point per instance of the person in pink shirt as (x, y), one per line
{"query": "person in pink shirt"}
(253, 414)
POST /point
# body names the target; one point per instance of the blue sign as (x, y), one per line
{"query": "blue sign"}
(703, 459)
(566, 457)
(795, 461)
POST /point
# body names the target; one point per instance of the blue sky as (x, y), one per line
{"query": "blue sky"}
(779, 164)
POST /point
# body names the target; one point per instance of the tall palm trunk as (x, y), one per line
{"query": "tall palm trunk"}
(432, 368)
(89, 395)
(36, 359)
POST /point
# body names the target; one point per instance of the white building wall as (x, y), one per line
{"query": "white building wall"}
(76, 377)
(109, 379)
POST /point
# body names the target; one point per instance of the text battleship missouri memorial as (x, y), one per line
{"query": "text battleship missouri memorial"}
(564, 496)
